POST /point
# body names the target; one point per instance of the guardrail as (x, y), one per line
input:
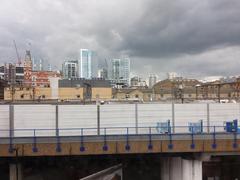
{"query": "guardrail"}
(125, 132)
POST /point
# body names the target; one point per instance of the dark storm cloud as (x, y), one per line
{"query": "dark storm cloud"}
(190, 27)
(158, 35)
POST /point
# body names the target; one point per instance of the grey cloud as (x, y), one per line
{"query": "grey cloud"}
(158, 35)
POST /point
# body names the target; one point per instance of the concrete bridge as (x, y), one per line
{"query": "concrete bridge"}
(122, 132)
(184, 154)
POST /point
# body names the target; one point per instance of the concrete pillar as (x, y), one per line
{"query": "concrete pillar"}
(165, 168)
(192, 169)
(176, 168)
(15, 171)
(180, 169)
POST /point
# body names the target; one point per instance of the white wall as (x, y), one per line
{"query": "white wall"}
(219, 113)
(77, 116)
(118, 115)
(151, 114)
(186, 113)
(34, 117)
(4, 120)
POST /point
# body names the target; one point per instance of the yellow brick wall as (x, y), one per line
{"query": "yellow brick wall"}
(41, 92)
(70, 93)
(19, 94)
(102, 93)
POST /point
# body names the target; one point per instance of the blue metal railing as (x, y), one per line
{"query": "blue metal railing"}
(59, 133)
(108, 131)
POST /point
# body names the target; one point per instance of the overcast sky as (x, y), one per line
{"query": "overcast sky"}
(194, 38)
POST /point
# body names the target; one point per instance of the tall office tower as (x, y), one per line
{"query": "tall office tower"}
(121, 71)
(70, 69)
(152, 80)
(85, 64)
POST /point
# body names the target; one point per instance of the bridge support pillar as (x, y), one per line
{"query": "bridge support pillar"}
(15, 171)
(173, 168)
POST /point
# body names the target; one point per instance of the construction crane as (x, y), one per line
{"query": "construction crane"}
(18, 57)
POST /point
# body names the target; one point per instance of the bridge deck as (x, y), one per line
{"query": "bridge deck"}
(119, 144)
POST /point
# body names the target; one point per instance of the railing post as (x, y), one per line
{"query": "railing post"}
(127, 146)
(136, 117)
(56, 118)
(105, 147)
(192, 135)
(98, 119)
(214, 145)
(173, 117)
(11, 120)
(82, 148)
(208, 118)
(34, 149)
(58, 148)
(150, 146)
(11, 127)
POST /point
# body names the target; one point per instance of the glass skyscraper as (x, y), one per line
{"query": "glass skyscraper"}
(121, 71)
(69, 69)
(85, 64)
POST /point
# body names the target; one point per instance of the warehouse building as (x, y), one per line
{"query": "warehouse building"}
(78, 89)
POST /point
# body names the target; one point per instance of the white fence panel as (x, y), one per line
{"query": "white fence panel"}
(189, 113)
(149, 115)
(4, 120)
(219, 113)
(29, 117)
(74, 117)
(118, 116)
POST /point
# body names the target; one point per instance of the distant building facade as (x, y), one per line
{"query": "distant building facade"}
(137, 82)
(12, 73)
(121, 71)
(130, 94)
(36, 78)
(70, 69)
(175, 89)
(78, 89)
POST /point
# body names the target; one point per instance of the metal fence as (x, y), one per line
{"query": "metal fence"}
(74, 120)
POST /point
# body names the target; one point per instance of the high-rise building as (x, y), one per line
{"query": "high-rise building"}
(103, 73)
(12, 73)
(28, 69)
(85, 64)
(70, 69)
(121, 71)
(152, 80)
